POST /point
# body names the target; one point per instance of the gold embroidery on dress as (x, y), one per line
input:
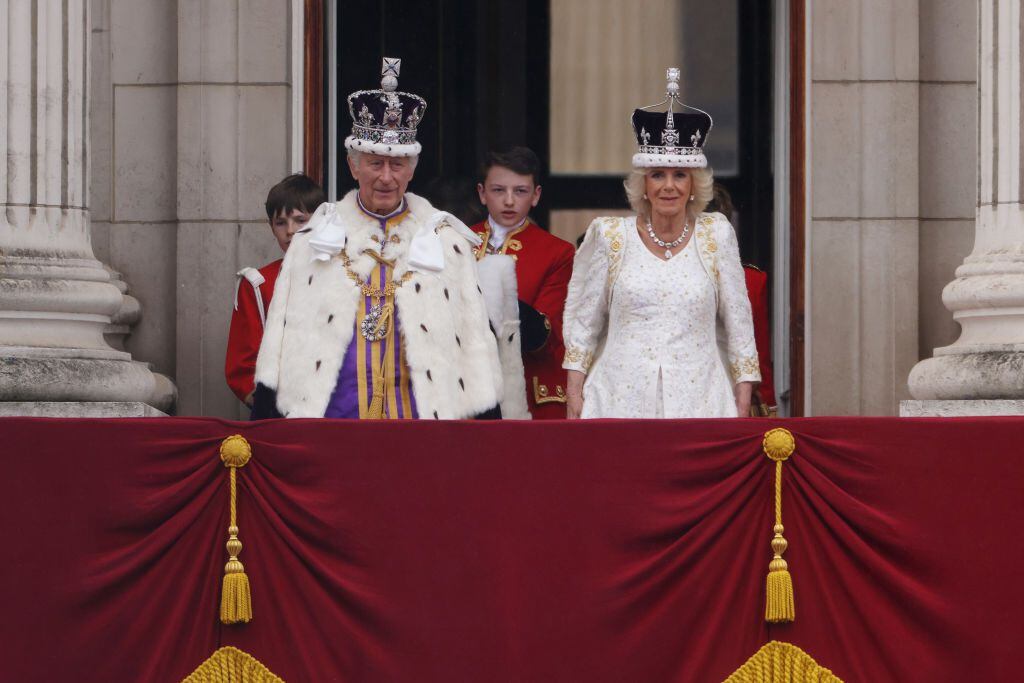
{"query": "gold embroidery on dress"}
(744, 366)
(577, 355)
(708, 245)
(613, 233)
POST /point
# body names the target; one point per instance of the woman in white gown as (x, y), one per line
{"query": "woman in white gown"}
(657, 321)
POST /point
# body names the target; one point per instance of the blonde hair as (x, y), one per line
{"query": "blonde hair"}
(702, 187)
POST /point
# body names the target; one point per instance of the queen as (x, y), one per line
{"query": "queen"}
(657, 320)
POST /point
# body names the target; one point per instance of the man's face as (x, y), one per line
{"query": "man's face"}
(508, 196)
(285, 225)
(382, 180)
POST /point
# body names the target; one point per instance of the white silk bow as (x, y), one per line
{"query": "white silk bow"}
(426, 251)
(328, 238)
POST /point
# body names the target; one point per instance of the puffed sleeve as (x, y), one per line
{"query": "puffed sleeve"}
(586, 306)
(734, 307)
(244, 337)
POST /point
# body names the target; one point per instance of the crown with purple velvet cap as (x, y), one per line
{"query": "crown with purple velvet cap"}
(384, 121)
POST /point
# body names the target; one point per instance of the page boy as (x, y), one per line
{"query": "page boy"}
(508, 188)
(289, 206)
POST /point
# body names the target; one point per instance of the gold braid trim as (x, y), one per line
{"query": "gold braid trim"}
(231, 665)
(782, 663)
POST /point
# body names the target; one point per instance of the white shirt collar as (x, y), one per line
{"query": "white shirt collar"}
(499, 232)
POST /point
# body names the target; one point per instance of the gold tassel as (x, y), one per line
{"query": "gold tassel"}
(235, 598)
(778, 445)
(376, 409)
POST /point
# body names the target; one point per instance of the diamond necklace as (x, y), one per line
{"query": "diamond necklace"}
(668, 246)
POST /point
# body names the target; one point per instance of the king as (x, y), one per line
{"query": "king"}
(377, 312)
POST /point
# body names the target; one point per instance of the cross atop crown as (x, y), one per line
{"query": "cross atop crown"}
(389, 70)
(672, 78)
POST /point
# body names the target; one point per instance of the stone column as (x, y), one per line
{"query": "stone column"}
(56, 299)
(865, 214)
(983, 371)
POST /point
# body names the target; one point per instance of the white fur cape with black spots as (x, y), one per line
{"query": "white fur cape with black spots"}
(452, 353)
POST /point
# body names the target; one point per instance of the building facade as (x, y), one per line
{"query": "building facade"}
(192, 109)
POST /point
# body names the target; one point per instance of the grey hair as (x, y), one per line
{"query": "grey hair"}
(702, 181)
(354, 155)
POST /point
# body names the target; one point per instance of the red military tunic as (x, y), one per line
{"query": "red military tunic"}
(757, 290)
(543, 269)
(246, 330)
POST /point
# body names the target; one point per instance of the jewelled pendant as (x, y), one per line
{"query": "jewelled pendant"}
(668, 254)
(371, 328)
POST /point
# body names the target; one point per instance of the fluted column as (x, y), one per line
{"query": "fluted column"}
(987, 296)
(56, 299)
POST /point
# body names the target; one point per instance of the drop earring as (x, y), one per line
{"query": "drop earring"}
(692, 198)
(645, 195)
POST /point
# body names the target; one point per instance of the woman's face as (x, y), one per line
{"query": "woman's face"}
(668, 190)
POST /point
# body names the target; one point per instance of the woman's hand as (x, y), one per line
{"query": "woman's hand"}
(574, 394)
(743, 392)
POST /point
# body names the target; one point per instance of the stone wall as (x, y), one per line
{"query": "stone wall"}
(893, 154)
(191, 125)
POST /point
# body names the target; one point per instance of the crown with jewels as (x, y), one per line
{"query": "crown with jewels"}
(384, 121)
(671, 138)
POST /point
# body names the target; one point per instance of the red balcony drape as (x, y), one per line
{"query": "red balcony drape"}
(583, 551)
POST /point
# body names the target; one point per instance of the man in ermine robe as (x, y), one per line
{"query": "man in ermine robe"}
(378, 311)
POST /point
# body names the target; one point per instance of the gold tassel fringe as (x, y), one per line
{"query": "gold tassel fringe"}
(781, 663)
(235, 597)
(376, 409)
(779, 445)
(231, 665)
(779, 604)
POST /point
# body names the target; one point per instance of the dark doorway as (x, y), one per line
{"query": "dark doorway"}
(485, 69)
(472, 60)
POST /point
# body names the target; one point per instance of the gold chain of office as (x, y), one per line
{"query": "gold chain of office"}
(370, 290)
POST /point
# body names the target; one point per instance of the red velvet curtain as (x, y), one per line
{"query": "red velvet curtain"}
(575, 551)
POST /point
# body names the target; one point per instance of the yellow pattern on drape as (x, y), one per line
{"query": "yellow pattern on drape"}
(231, 665)
(778, 662)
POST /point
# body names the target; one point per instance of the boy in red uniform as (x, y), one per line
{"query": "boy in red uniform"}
(509, 189)
(762, 402)
(289, 205)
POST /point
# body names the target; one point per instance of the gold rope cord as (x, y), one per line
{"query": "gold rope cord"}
(235, 599)
(781, 663)
(778, 445)
(385, 322)
(231, 665)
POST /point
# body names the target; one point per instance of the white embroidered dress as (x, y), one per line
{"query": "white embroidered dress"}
(648, 332)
